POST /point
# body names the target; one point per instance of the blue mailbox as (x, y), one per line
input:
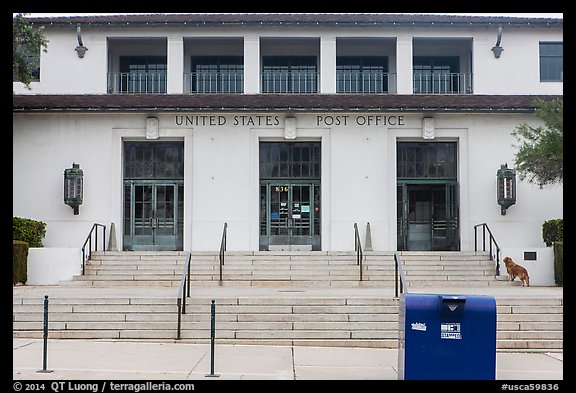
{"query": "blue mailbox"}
(446, 337)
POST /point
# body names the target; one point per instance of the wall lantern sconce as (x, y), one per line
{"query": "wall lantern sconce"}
(497, 49)
(506, 188)
(73, 187)
(80, 49)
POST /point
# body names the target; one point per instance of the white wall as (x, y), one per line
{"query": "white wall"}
(490, 145)
(222, 178)
(540, 271)
(63, 72)
(515, 72)
(49, 266)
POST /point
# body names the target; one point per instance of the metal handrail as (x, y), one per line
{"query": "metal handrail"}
(442, 82)
(493, 256)
(289, 82)
(221, 255)
(184, 287)
(214, 82)
(358, 249)
(365, 82)
(398, 268)
(137, 82)
(88, 240)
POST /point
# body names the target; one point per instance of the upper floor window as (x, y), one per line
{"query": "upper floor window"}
(551, 61)
(32, 59)
(289, 74)
(426, 160)
(216, 74)
(440, 75)
(289, 160)
(362, 74)
(139, 74)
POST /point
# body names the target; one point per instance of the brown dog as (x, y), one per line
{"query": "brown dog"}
(515, 270)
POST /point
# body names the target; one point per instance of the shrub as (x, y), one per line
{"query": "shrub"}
(553, 231)
(559, 263)
(19, 262)
(29, 231)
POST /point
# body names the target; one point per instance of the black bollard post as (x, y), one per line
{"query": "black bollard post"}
(45, 351)
(212, 335)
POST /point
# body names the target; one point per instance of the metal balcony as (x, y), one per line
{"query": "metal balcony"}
(137, 82)
(214, 82)
(365, 82)
(290, 82)
(442, 83)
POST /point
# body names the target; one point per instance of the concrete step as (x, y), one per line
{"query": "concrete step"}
(523, 323)
(306, 269)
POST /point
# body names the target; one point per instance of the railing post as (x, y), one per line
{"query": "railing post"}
(212, 337)
(184, 298)
(188, 287)
(179, 304)
(361, 257)
(395, 276)
(495, 256)
(398, 269)
(222, 252)
(475, 239)
(83, 260)
(183, 293)
(45, 337)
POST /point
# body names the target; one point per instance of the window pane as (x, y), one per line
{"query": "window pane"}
(217, 74)
(289, 74)
(289, 160)
(551, 61)
(426, 160)
(361, 74)
(153, 160)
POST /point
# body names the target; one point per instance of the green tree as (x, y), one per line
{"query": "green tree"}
(540, 154)
(26, 41)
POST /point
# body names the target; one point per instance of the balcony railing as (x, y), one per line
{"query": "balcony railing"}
(442, 83)
(365, 82)
(136, 82)
(214, 82)
(290, 82)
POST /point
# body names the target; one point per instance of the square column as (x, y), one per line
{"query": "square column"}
(175, 65)
(328, 65)
(251, 65)
(404, 64)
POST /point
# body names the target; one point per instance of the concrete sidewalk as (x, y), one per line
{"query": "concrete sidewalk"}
(115, 360)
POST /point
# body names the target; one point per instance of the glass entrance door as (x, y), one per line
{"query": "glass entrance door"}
(153, 216)
(290, 195)
(290, 216)
(428, 217)
(153, 195)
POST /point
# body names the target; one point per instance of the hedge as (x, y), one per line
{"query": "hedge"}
(29, 231)
(553, 231)
(19, 262)
(559, 263)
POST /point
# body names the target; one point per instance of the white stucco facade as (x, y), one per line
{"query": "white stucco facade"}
(358, 176)
(515, 72)
(221, 178)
